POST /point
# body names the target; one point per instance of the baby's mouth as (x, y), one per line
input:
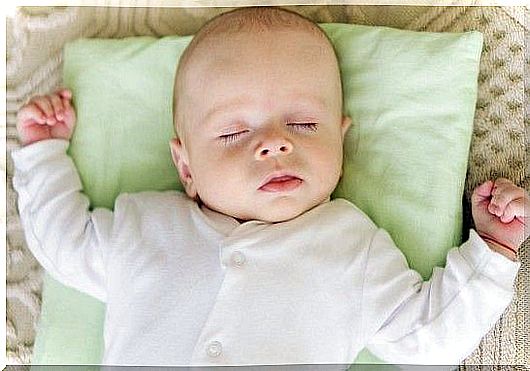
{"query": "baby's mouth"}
(281, 183)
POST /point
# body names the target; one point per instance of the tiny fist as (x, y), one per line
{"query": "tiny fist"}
(46, 117)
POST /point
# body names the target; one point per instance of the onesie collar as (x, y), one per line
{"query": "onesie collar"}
(225, 224)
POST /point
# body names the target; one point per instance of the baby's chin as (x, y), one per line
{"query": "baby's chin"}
(278, 211)
(277, 216)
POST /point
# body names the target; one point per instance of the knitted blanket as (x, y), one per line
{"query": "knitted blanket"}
(35, 37)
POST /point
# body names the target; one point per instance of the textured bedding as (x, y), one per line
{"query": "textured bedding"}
(34, 65)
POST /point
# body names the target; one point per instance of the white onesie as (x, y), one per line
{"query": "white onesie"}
(186, 285)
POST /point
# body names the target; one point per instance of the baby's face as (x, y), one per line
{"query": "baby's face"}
(264, 128)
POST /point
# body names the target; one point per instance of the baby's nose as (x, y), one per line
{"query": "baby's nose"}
(273, 147)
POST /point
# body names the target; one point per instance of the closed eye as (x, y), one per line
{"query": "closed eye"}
(229, 138)
(311, 126)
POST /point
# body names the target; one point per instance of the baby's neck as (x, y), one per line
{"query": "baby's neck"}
(202, 204)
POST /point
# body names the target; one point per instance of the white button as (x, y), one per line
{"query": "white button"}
(238, 258)
(214, 349)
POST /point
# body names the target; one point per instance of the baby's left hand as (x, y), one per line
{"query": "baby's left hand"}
(500, 211)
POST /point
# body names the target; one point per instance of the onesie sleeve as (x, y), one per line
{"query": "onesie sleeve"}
(66, 238)
(440, 321)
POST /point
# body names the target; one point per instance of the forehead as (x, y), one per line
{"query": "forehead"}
(268, 69)
(232, 52)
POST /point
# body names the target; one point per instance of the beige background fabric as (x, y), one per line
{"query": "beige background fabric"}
(35, 38)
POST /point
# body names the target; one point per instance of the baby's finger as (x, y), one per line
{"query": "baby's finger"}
(69, 112)
(509, 213)
(502, 195)
(44, 104)
(57, 105)
(66, 103)
(65, 93)
(29, 114)
(502, 184)
(514, 209)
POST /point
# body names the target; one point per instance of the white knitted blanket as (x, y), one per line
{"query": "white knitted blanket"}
(34, 64)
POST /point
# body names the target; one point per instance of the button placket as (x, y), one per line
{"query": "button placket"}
(221, 253)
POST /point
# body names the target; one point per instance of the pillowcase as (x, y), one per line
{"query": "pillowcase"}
(411, 96)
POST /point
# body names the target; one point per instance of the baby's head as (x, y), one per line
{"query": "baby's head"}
(258, 97)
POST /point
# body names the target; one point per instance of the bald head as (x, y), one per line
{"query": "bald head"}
(241, 21)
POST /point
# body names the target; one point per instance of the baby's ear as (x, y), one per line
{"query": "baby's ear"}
(345, 125)
(180, 159)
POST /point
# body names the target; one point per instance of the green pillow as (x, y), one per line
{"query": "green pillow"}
(411, 96)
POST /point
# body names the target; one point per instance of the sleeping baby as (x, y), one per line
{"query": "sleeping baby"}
(254, 263)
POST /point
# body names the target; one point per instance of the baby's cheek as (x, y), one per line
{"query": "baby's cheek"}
(329, 166)
(220, 184)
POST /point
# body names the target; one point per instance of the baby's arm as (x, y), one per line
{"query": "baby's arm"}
(64, 236)
(441, 321)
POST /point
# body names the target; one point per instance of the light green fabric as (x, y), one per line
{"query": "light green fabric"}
(79, 337)
(411, 96)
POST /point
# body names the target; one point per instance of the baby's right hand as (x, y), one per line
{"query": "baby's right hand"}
(46, 117)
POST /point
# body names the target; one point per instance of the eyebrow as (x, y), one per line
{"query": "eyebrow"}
(223, 107)
(299, 99)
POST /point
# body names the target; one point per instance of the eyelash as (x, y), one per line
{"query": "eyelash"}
(312, 126)
(229, 138)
